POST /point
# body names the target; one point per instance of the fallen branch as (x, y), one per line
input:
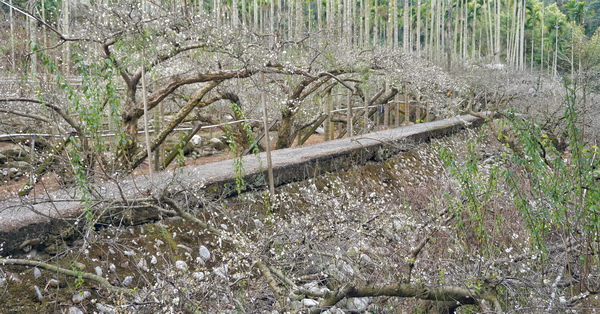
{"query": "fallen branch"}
(459, 295)
(85, 275)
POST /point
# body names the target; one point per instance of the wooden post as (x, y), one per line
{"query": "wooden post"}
(396, 112)
(406, 109)
(327, 125)
(386, 115)
(157, 121)
(32, 161)
(267, 136)
(366, 115)
(349, 115)
(146, 130)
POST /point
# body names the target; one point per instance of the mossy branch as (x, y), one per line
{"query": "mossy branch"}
(443, 293)
(85, 275)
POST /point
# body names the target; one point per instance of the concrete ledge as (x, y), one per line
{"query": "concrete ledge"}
(32, 217)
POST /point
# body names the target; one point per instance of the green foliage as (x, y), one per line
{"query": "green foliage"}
(237, 149)
(79, 281)
(91, 104)
(556, 193)
(240, 183)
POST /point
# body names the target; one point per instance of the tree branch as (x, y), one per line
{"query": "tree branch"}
(85, 275)
(56, 109)
(25, 114)
(405, 290)
(178, 80)
(194, 102)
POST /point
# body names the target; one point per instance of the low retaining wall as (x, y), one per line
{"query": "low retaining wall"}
(29, 220)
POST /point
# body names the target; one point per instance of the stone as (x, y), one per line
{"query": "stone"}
(54, 283)
(12, 277)
(143, 265)
(315, 288)
(38, 292)
(13, 173)
(79, 297)
(221, 271)
(181, 265)
(204, 253)
(74, 310)
(98, 270)
(105, 308)
(37, 273)
(198, 275)
(309, 303)
(358, 304)
(216, 144)
(196, 140)
(127, 281)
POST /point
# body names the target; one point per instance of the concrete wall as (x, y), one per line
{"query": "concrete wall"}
(30, 219)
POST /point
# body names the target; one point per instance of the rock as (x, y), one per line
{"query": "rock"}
(74, 310)
(79, 297)
(13, 173)
(105, 308)
(129, 253)
(314, 288)
(221, 271)
(112, 268)
(53, 283)
(198, 275)
(196, 140)
(37, 273)
(216, 144)
(296, 305)
(366, 259)
(143, 265)
(204, 253)
(127, 281)
(153, 260)
(358, 304)
(309, 303)
(12, 277)
(98, 270)
(181, 265)
(38, 292)
(3, 159)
